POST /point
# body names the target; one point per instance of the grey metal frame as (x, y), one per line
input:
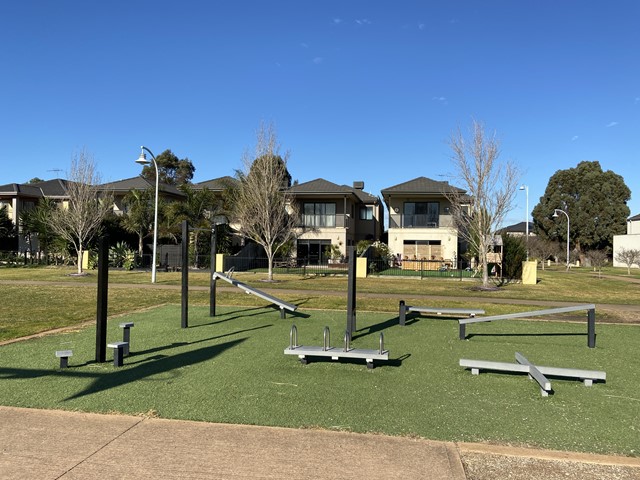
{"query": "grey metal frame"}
(591, 319)
(403, 309)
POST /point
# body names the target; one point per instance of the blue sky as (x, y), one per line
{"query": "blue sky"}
(357, 90)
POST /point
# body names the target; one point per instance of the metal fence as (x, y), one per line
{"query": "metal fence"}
(418, 268)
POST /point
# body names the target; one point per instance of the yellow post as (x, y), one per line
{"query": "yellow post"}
(361, 267)
(85, 260)
(219, 262)
(529, 273)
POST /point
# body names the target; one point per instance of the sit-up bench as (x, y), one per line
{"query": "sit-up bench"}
(465, 312)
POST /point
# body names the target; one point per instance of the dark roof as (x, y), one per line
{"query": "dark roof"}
(53, 188)
(635, 218)
(422, 185)
(517, 228)
(320, 186)
(20, 189)
(216, 184)
(140, 183)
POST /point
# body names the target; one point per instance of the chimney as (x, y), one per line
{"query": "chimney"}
(358, 185)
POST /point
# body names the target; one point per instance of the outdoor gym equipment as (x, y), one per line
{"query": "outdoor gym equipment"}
(405, 309)
(536, 372)
(591, 319)
(335, 353)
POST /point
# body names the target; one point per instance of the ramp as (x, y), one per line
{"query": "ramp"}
(282, 305)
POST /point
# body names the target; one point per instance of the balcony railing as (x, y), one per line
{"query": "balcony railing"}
(419, 221)
(325, 221)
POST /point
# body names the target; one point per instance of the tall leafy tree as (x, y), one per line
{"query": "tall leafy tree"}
(171, 169)
(138, 218)
(35, 222)
(261, 205)
(7, 229)
(595, 201)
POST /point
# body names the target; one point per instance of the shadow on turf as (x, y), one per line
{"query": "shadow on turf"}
(565, 334)
(393, 362)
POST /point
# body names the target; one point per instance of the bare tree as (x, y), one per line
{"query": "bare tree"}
(628, 257)
(541, 249)
(80, 220)
(261, 203)
(598, 259)
(490, 189)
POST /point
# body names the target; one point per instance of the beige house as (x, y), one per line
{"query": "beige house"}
(331, 214)
(420, 223)
(630, 241)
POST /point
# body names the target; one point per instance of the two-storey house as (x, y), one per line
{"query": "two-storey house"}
(331, 214)
(420, 222)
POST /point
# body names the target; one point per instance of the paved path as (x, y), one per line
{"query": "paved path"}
(45, 444)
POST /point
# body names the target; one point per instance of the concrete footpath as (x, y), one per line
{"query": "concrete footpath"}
(47, 444)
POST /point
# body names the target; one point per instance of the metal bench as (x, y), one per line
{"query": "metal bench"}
(405, 309)
(591, 319)
(537, 372)
(118, 352)
(64, 355)
(334, 353)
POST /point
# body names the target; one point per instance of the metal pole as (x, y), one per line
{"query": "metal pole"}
(212, 285)
(185, 274)
(103, 296)
(591, 328)
(351, 291)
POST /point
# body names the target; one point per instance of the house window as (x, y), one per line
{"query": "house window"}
(421, 214)
(366, 212)
(319, 214)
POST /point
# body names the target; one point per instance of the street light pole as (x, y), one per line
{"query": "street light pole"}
(555, 215)
(526, 218)
(142, 160)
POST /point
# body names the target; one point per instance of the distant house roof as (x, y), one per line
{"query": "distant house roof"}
(422, 185)
(216, 184)
(322, 187)
(140, 183)
(21, 190)
(517, 228)
(56, 188)
(635, 218)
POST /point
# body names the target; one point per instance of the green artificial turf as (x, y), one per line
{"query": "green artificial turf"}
(231, 368)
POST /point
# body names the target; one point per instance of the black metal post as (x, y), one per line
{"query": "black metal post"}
(103, 295)
(212, 285)
(591, 328)
(185, 274)
(402, 314)
(351, 291)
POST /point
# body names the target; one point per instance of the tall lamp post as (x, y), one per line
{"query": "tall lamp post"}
(555, 215)
(526, 218)
(142, 160)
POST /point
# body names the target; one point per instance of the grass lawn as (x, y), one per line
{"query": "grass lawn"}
(231, 368)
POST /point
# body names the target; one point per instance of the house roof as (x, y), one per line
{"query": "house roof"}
(421, 185)
(140, 183)
(517, 228)
(53, 188)
(635, 218)
(21, 190)
(216, 184)
(322, 187)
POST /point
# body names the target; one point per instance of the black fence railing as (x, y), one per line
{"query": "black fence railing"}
(419, 268)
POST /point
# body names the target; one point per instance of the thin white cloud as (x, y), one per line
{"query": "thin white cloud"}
(421, 26)
(637, 100)
(317, 60)
(612, 124)
(442, 100)
(337, 21)
(304, 45)
(363, 21)
(574, 138)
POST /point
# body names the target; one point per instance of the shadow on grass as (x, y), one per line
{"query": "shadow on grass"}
(471, 335)
(124, 376)
(393, 362)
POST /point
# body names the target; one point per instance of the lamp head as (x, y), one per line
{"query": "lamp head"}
(555, 213)
(523, 187)
(142, 159)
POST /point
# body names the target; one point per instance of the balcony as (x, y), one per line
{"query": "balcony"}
(325, 221)
(419, 221)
